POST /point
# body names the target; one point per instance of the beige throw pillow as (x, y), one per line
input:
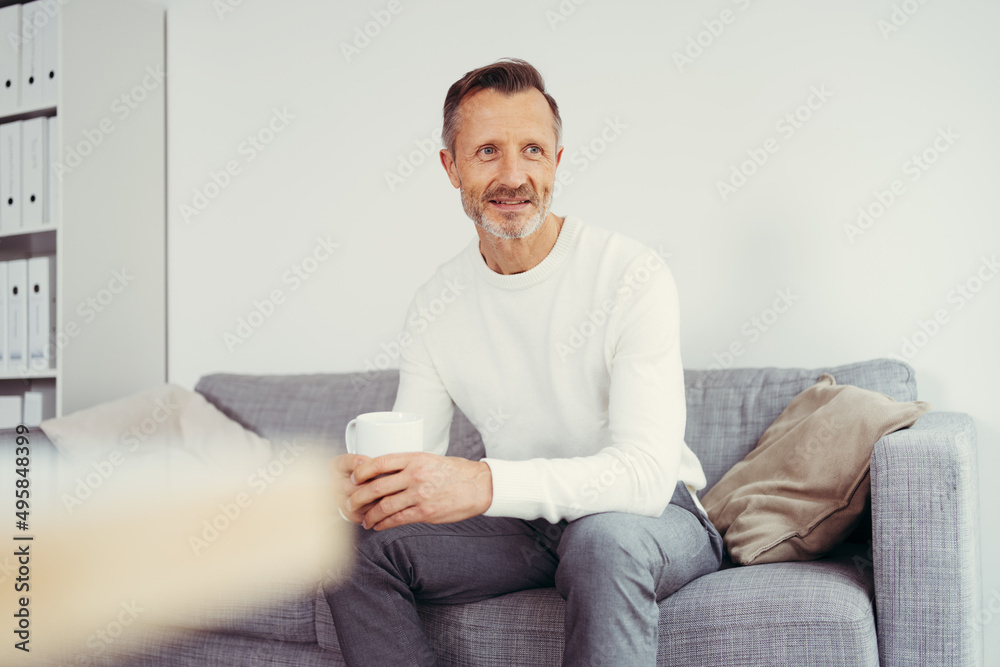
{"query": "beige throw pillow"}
(168, 421)
(803, 488)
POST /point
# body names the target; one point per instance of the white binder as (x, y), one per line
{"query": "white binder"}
(33, 154)
(10, 176)
(3, 317)
(39, 405)
(49, 58)
(30, 37)
(41, 312)
(17, 311)
(10, 411)
(10, 59)
(52, 177)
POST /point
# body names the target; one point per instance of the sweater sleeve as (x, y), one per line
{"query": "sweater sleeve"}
(638, 469)
(420, 387)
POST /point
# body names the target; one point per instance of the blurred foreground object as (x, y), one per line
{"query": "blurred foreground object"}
(149, 552)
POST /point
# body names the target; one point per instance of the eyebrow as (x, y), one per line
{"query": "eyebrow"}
(529, 142)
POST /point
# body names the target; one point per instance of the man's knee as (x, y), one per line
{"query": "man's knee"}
(607, 541)
(389, 546)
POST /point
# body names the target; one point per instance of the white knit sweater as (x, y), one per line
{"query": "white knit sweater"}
(571, 371)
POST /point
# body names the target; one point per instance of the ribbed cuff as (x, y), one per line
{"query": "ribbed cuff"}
(694, 497)
(517, 490)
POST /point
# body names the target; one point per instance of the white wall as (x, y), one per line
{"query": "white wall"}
(324, 174)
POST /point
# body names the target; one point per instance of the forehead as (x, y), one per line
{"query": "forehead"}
(486, 112)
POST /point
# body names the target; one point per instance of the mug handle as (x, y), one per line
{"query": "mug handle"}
(350, 436)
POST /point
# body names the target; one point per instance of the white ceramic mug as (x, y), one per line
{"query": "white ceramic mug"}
(378, 433)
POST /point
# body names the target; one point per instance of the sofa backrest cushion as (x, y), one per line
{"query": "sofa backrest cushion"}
(727, 410)
(317, 407)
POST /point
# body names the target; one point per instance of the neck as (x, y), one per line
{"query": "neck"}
(508, 256)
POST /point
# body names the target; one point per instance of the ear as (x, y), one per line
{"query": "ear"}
(559, 155)
(448, 162)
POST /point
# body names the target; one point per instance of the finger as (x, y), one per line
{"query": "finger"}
(347, 487)
(342, 494)
(355, 517)
(360, 513)
(351, 516)
(342, 490)
(409, 515)
(345, 464)
(388, 506)
(342, 484)
(372, 491)
(380, 465)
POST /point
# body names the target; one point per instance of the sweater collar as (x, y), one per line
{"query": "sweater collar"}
(536, 274)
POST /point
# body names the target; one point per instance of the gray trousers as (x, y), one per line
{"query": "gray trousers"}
(611, 568)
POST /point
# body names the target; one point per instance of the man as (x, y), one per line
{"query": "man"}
(560, 343)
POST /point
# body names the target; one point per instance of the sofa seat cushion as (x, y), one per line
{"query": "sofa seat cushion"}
(157, 647)
(814, 612)
(288, 613)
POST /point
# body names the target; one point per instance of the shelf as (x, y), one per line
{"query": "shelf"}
(29, 375)
(28, 244)
(25, 113)
(109, 221)
(49, 227)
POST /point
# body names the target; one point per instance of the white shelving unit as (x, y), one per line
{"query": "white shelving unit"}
(108, 230)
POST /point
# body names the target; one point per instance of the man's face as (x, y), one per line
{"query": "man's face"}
(505, 161)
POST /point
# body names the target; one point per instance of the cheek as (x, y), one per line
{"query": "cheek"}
(544, 176)
(477, 176)
(545, 167)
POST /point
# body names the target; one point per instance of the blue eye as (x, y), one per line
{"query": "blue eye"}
(489, 150)
(536, 149)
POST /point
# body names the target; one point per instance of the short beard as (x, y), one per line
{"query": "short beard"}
(508, 227)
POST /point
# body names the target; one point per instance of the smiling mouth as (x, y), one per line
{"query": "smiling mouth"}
(509, 202)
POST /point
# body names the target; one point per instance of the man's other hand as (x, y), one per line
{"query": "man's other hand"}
(419, 487)
(340, 474)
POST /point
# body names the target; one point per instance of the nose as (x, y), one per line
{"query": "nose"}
(512, 172)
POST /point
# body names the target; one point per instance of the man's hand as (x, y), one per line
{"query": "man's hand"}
(340, 473)
(419, 487)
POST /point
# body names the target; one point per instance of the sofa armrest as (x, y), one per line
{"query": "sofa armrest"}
(925, 532)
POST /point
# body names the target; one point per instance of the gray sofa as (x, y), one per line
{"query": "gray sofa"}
(903, 591)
